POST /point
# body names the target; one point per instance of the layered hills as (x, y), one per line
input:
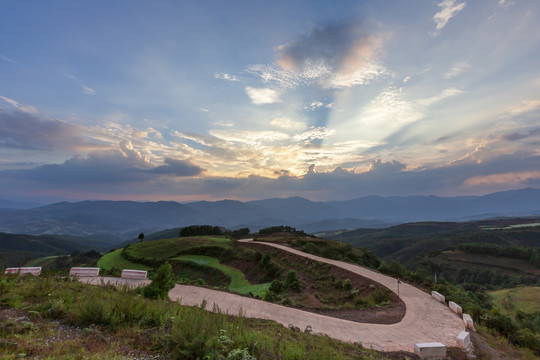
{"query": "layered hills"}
(125, 219)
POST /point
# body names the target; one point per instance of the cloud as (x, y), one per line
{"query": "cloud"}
(227, 77)
(249, 137)
(24, 108)
(457, 69)
(5, 58)
(86, 89)
(509, 178)
(449, 9)
(23, 131)
(525, 106)
(224, 123)
(261, 96)
(446, 93)
(318, 133)
(177, 168)
(339, 55)
(286, 123)
(123, 165)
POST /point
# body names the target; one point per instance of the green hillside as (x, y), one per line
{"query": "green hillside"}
(525, 299)
(17, 249)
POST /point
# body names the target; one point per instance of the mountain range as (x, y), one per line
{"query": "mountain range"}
(125, 219)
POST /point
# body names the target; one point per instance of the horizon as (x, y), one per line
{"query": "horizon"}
(205, 102)
(28, 200)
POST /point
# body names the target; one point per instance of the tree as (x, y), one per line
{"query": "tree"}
(141, 236)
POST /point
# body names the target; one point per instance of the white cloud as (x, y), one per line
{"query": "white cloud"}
(88, 90)
(25, 108)
(446, 93)
(320, 74)
(317, 105)
(524, 107)
(457, 69)
(318, 133)
(261, 96)
(205, 110)
(192, 137)
(250, 137)
(449, 9)
(5, 58)
(224, 123)
(85, 89)
(227, 77)
(287, 124)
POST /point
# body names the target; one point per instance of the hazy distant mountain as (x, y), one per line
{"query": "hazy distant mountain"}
(10, 204)
(125, 219)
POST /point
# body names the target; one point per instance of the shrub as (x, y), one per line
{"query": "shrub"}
(346, 284)
(162, 282)
(292, 282)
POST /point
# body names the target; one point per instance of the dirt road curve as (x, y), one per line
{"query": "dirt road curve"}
(426, 320)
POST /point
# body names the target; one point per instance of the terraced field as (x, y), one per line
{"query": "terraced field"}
(195, 259)
(42, 261)
(522, 298)
(239, 284)
(114, 259)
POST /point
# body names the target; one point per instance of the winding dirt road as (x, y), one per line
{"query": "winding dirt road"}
(425, 320)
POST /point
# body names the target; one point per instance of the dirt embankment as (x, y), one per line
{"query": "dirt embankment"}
(310, 298)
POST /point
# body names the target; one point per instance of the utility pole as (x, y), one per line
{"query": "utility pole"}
(398, 282)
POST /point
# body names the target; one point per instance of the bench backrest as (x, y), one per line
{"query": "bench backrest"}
(23, 270)
(134, 274)
(84, 271)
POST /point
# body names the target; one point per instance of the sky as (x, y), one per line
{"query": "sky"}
(191, 100)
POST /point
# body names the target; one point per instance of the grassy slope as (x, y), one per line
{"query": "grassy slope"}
(115, 259)
(166, 248)
(141, 328)
(457, 259)
(524, 298)
(239, 283)
(42, 261)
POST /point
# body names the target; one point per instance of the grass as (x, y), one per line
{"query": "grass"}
(524, 298)
(457, 259)
(239, 283)
(164, 249)
(114, 259)
(107, 323)
(42, 261)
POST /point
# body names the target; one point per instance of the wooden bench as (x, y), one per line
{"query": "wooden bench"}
(133, 274)
(23, 270)
(84, 271)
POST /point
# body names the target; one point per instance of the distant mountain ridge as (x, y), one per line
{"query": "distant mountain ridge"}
(125, 219)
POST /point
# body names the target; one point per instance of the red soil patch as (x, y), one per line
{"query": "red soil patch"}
(312, 299)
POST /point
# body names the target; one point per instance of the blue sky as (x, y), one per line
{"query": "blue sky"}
(255, 99)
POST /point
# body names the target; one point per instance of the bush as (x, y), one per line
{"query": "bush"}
(346, 284)
(200, 230)
(292, 282)
(162, 282)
